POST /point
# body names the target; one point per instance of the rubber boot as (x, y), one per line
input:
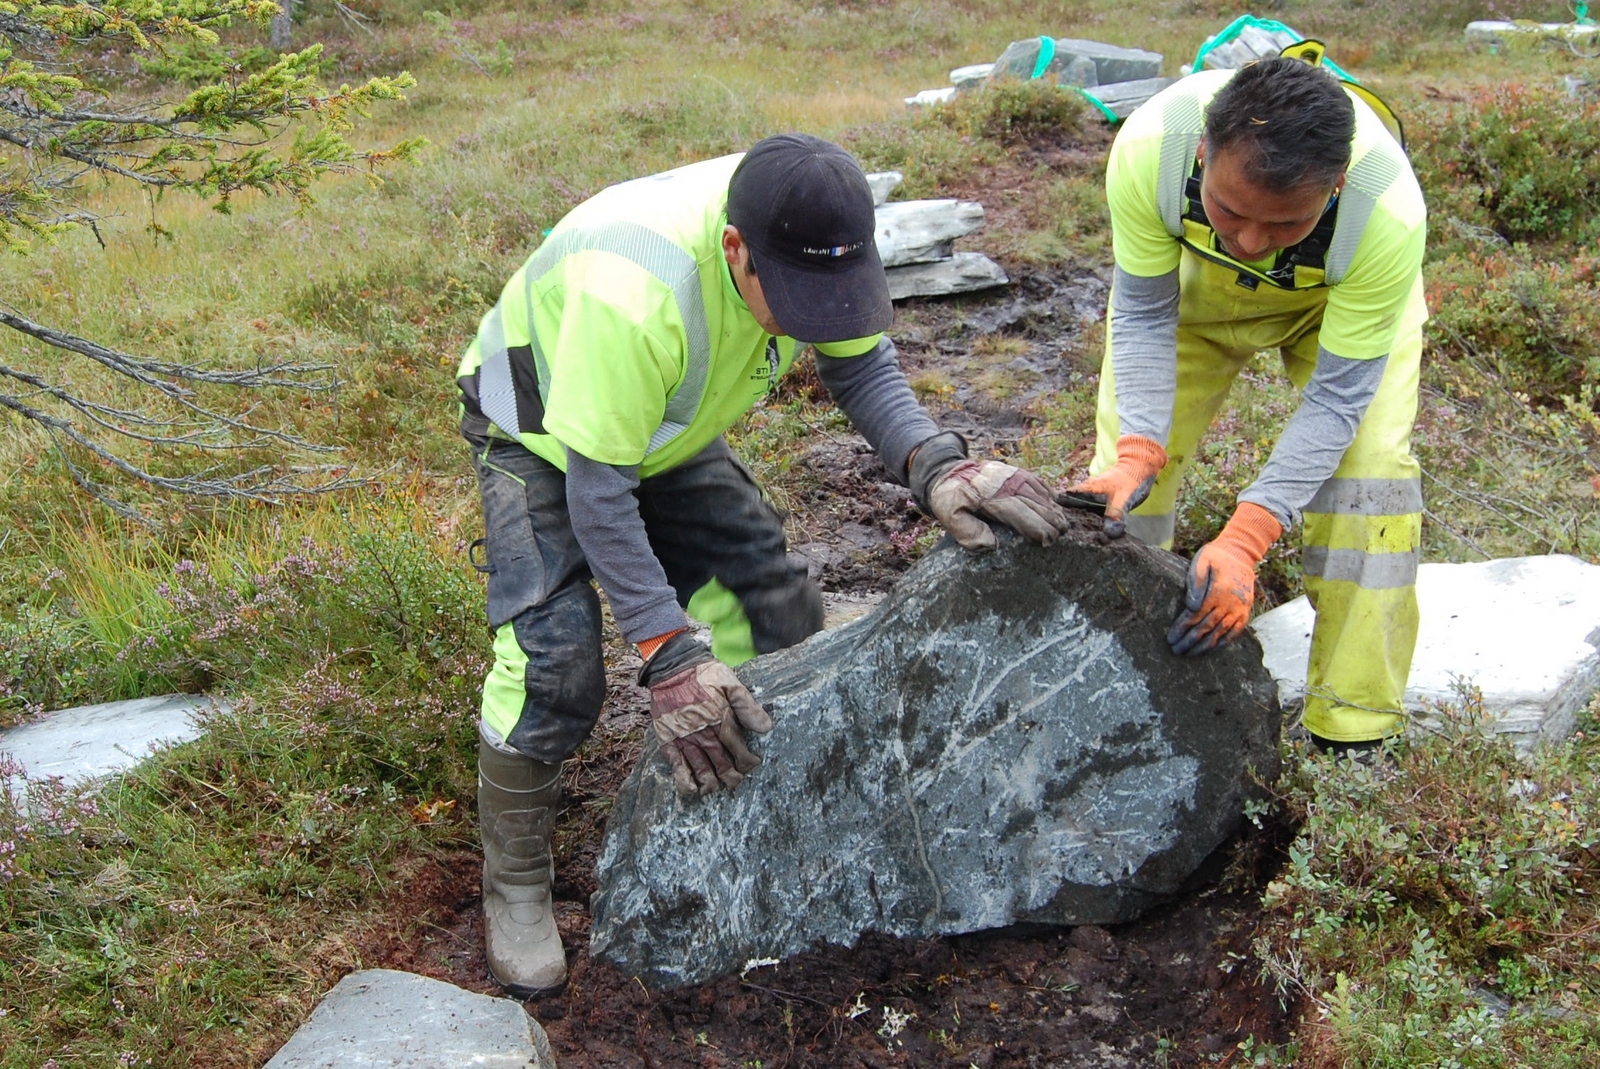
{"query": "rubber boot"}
(516, 806)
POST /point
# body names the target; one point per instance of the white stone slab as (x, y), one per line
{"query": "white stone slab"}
(384, 1019)
(970, 77)
(962, 273)
(1524, 630)
(883, 183)
(929, 97)
(921, 231)
(1491, 32)
(91, 741)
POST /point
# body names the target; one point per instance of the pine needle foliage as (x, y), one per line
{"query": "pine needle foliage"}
(274, 131)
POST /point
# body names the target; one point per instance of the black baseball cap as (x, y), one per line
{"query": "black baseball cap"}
(803, 206)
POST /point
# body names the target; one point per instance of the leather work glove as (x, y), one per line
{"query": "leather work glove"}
(699, 707)
(1222, 582)
(1123, 486)
(962, 493)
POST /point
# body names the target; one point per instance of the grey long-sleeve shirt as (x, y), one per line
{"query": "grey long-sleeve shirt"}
(870, 389)
(1144, 362)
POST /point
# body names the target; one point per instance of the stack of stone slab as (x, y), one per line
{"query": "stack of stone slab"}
(1115, 80)
(916, 241)
(1251, 44)
(1495, 33)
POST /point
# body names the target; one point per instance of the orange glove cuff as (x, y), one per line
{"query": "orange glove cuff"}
(1252, 529)
(1142, 451)
(647, 648)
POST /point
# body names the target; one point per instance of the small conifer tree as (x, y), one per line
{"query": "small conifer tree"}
(275, 131)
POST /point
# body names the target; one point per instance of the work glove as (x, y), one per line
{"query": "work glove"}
(1222, 582)
(698, 707)
(962, 493)
(1122, 487)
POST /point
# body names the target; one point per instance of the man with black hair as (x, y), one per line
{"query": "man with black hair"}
(1271, 208)
(594, 397)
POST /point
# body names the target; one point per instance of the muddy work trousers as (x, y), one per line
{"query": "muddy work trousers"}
(1362, 531)
(721, 546)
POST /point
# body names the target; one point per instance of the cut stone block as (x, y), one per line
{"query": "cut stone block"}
(970, 77)
(1111, 63)
(1253, 43)
(1121, 98)
(1491, 32)
(1524, 630)
(962, 273)
(1006, 738)
(383, 1019)
(929, 97)
(91, 741)
(921, 231)
(883, 183)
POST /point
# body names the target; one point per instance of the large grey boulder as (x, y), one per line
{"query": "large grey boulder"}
(384, 1019)
(1006, 738)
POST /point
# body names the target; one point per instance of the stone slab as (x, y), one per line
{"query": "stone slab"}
(972, 76)
(1122, 98)
(1006, 738)
(1524, 630)
(929, 97)
(963, 272)
(882, 183)
(921, 231)
(91, 741)
(1077, 62)
(1494, 32)
(384, 1019)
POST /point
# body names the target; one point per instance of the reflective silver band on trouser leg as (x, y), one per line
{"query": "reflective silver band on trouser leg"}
(1370, 571)
(1368, 497)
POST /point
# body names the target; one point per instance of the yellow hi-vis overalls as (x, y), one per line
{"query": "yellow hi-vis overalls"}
(1361, 532)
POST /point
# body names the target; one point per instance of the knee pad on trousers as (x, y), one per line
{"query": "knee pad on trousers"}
(564, 678)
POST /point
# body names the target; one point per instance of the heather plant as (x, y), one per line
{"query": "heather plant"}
(1535, 319)
(1441, 908)
(1522, 160)
(1013, 112)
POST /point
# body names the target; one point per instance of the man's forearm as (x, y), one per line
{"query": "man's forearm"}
(873, 393)
(606, 522)
(1143, 326)
(1314, 441)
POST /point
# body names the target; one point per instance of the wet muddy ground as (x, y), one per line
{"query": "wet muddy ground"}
(1178, 988)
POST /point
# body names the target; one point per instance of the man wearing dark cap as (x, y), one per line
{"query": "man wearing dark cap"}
(594, 398)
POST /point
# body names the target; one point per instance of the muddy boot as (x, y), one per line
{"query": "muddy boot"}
(516, 806)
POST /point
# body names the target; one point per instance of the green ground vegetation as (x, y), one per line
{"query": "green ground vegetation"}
(192, 913)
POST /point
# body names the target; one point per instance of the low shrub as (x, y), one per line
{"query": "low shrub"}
(1440, 910)
(1535, 320)
(1522, 160)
